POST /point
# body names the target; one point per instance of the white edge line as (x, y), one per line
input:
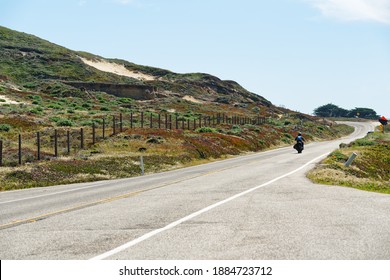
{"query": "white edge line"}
(195, 214)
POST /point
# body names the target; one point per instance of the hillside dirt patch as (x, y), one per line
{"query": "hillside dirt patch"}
(117, 69)
(192, 99)
(7, 100)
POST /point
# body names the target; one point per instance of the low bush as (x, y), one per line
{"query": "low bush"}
(64, 122)
(205, 129)
(5, 127)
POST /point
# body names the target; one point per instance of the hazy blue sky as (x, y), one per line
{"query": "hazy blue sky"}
(298, 53)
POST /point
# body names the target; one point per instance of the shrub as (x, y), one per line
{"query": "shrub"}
(205, 129)
(236, 130)
(125, 100)
(5, 127)
(363, 142)
(338, 156)
(30, 85)
(55, 106)
(86, 123)
(222, 99)
(64, 122)
(37, 110)
(19, 175)
(104, 109)
(256, 110)
(35, 97)
(289, 136)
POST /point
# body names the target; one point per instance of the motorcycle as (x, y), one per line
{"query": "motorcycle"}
(299, 147)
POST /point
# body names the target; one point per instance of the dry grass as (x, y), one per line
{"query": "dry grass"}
(370, 170)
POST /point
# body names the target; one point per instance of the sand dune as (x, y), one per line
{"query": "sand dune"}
(118, 69)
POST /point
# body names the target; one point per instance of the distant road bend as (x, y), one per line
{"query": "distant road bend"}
(259, 206)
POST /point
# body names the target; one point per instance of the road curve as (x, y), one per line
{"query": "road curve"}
(259, 206)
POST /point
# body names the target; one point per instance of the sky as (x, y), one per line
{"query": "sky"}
(299, 54)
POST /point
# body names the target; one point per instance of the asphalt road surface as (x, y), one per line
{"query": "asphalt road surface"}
(259, 206)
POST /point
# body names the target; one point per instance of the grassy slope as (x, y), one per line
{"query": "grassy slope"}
(30, 61)
(370, 170)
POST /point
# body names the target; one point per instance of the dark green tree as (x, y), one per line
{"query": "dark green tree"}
(330, 110)
(365, 113)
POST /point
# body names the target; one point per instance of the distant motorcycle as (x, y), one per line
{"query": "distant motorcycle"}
(299, 147)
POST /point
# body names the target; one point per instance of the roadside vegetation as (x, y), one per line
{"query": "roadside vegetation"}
(370, 170)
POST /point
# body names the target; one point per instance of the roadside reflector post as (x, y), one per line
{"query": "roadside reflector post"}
(350, 160)
(142, 165)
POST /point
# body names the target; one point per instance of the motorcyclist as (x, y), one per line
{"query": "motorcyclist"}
(300, 138)
(300, 141)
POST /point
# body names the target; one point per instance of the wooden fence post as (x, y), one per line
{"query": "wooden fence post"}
(93, 134)
(142, 119)
(113, 125)
(82, 138)
(1, 152)
(20, 149)
(104, 128)
(38, 146)
(120, 122)
(68, 141)
(55, 143)
(151, 120)
(131, 120)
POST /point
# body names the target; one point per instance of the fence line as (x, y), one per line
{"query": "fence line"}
(47, 142)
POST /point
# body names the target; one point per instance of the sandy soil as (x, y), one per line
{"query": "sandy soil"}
(192, 99)
(117, 69)
(7, 100)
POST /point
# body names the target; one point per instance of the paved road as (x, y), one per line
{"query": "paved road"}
(259, 206)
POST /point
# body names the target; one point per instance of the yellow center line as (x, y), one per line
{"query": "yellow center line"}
(110, 199)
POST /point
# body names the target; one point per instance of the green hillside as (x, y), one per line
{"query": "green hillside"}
(31, 62)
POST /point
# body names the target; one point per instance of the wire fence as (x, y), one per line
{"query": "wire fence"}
(54, 142)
